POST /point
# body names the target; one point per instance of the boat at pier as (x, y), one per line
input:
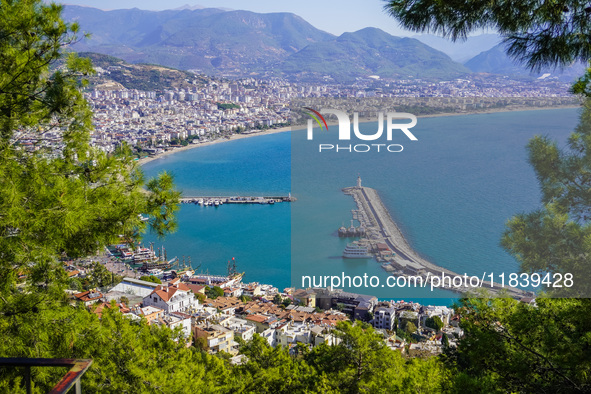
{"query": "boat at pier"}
(144, 255)
(356, 251)
(158, 264)
(352, 231)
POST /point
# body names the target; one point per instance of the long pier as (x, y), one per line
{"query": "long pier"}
(381, 229)
(211, 200)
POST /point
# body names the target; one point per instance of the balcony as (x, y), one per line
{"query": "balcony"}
(71, 379)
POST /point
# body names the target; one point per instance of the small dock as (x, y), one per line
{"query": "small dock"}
(221, 200)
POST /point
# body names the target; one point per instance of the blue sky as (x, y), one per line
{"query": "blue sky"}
(333, 16)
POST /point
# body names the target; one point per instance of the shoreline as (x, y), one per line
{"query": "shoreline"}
(483, 112)
(497, 110)
(285, 129)
(233, 137)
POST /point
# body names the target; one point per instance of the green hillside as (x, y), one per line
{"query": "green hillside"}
(137, 76)
(371, 51)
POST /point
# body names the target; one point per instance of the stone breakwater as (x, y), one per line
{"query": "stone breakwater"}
(384, 237)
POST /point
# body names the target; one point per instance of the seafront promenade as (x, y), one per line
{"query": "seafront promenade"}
(380, 230)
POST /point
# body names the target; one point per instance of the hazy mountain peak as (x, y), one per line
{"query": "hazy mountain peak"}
(496, 61)
(237, 42)
(461, 50)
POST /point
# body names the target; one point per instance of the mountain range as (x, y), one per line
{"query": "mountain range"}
(371, 51)
(208, 40)
(242, 43)
(496, 60)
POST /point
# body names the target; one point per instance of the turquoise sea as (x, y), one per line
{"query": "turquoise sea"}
(450, 193)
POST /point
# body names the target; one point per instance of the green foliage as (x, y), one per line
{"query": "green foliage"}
(127, 356)
(516, 347)
(275, 371)
(445, 341)
(362, 363)
(225, 106)
(219, 291)
(75, 284)
(551, 33)
(201, 297)
(277, 299)
(556, 239)
(60, 197)
(581, 86)
(245, 298)
(410, 327)
(200, 343)
(151, 278)
(100, 276)
(434, 322)
(214, 292)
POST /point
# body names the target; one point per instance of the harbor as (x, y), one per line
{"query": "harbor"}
(221, 200)
(384, 240)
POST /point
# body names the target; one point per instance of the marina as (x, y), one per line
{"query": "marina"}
(221, 200)
(387, 244)
(143, 259)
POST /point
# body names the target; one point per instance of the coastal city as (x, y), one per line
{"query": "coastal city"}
(220, 312)
(215, 198)
(155, 121)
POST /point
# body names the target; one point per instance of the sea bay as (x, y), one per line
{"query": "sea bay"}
(450, 193)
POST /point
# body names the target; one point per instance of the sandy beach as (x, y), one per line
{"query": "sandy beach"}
(233, 137)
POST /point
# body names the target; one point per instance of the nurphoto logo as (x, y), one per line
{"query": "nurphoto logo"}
(344, 124)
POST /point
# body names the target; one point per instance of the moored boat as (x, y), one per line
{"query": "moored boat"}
(356, 251)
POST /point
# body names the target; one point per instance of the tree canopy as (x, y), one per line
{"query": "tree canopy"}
(510, 346)
(59, 196)
(151, 278)
(434, 322)
(538, 33)
(556, 238)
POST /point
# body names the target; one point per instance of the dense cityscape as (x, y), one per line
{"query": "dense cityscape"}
(220, 309)
(156, 120)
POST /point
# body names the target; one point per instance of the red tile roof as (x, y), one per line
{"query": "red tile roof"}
(166, 293)
(88, 295)
(257, 318)
(196, 288)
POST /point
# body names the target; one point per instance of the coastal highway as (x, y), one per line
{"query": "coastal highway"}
(380, 228)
